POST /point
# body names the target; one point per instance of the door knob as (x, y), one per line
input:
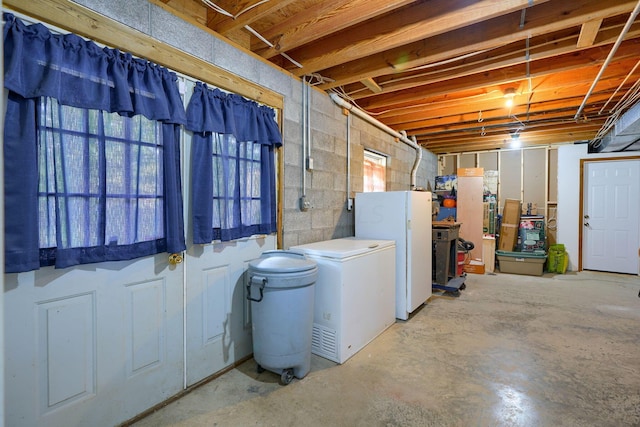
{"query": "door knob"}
(586, 217)
(175, 259)
(586, 224)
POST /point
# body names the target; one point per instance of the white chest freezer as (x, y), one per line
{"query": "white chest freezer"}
(354, 294)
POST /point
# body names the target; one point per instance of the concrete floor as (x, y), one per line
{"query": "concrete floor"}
(558, 350)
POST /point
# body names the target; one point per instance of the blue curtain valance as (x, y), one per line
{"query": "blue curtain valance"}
(39, 65)
(214, 111)
(79, 73)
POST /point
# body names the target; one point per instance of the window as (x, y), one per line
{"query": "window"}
(100, 179)
(91, 152)
(233, 192)
(231, 212)
(375, 172)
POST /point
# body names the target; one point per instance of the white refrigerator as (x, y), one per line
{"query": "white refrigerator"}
(354, 294)
(403, 216)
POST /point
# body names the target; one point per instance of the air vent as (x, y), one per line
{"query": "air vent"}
(323, 342)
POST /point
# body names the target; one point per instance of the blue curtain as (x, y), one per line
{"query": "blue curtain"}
(78, 73)
(233, 162)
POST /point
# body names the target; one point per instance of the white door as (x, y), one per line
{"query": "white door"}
(611, 240)
(217, 314)
(218, 326)
(94, 344)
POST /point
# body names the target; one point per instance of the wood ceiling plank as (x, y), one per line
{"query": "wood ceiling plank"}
(532, 130)
(324, 18)
(410, 24)
(491, 34)
(539, 113)
(229, 24)
(499, 122)
(371, 85)
(589, 32)
(442, 117)
(503, 58)
(568, 72)
(503, 142)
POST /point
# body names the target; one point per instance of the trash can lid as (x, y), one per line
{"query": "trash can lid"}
(279, 261)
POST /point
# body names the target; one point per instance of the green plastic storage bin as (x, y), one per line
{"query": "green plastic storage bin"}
(529, 263)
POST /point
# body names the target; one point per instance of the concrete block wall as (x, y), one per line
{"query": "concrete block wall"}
(326, 185)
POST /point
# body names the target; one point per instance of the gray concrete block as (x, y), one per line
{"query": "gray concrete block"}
(320, 140)
(292, 153)
(133, 13)
(321, 180)
(229, 58)
(322, 219)
(294, 220)
(174, 31)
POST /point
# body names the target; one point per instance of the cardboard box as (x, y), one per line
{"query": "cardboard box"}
(470, 172)
(508, 237)
(474, 266)
(510, 225)
(511, 211)
(528, 263)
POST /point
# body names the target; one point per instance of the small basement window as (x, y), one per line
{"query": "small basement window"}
(375, 172)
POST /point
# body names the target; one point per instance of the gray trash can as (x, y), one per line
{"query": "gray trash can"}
(281, 291)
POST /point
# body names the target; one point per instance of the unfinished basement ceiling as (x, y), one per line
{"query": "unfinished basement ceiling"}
(440, 69)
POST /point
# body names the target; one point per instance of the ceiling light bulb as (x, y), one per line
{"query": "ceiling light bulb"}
(509, 93)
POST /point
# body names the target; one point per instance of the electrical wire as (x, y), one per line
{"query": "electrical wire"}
(220, 10)
(631, 97)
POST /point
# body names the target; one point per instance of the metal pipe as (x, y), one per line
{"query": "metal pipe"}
(348, 161)
(624, 31)
(309, 94)
(403, 138)
(304, 138)
(629, 74)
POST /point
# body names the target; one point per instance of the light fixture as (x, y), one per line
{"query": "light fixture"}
(509, 94)
(515, 140)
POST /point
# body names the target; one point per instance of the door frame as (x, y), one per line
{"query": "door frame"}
(582, 192)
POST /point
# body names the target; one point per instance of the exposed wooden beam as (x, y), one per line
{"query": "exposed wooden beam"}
(228, 24)
(503, 142)
(542, 19)
(549, 74)
(371, 85)
(323, 18)
(508, 57)
(444, 115)
(396, 29)
(495, 121)
(588, 32)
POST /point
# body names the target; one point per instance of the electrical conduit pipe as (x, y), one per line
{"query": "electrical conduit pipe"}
(401, 136)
